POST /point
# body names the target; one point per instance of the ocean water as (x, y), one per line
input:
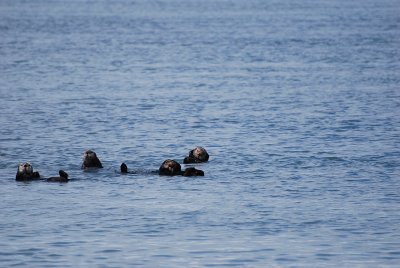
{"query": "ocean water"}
(297, 103)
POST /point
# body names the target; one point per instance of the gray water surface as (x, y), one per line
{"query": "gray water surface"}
(297, 103)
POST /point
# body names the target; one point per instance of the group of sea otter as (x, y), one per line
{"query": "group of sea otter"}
(90, 160)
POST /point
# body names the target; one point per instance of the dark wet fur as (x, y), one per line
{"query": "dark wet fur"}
(176, 170)
(189, 172)
(62, 178)
(164, 171)
(191, 159)
(27, 176)
(91, 162)
(36, 176)
(170, 168)
(124, 168)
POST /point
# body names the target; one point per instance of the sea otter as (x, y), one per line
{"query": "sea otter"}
(168, 168)
(90, 160)
(172, 168)
(25, 173)
(197, 155)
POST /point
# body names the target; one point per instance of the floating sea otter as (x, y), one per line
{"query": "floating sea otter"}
(172, 168)
(90, 160)
(197, 155)
(169, 168)
(25, 173)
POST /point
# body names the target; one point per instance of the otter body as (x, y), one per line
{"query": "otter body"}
(197, 155)
(25, 173)
(90, 160)
(190, 172)
(62, 178)
(124, 170)
(168, 168)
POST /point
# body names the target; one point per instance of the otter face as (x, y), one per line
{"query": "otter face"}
(25, 172)
(90, 160)
(200, 153)
(25, 168)
(170, 168)
(197, 155)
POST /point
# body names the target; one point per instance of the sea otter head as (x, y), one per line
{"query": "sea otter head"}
(90, 160)
(197, 155)
(25, 172)
(25, 169)
(170, 168)
(200, 153)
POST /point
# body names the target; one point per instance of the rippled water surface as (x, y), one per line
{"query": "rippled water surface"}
(297, 102)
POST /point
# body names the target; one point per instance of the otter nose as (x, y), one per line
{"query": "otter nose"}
(26, 165)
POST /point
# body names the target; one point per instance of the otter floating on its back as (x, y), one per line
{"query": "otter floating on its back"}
(168, 168)
(172, 168)
(25, 173)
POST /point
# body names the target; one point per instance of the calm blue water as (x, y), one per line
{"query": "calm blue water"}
(297, 102)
